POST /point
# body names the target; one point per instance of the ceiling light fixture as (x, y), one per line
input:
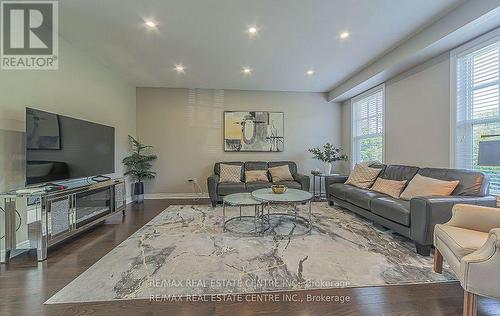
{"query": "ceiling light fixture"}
(150, 23)
(344, 35)
(310, 72)
(252, 30)
(179, 68)
(247, 70)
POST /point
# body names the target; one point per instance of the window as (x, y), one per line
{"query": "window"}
(368, 126)
(477, 105)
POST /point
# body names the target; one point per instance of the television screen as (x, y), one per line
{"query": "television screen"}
(60, 147)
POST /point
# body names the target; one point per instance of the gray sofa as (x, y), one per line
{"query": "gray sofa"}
(416, 218)
(217, 190)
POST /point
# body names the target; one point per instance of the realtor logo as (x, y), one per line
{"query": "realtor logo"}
(29, 35)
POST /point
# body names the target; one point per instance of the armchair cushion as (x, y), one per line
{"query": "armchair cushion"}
(425, 212)
(459, 240)
(479, 270)
(475, 217)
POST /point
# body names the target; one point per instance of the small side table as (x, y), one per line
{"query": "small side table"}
(319, 195)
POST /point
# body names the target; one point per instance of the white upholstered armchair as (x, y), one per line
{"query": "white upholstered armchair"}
(470, 244)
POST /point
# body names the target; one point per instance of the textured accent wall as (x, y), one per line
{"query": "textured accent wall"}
(185, 126)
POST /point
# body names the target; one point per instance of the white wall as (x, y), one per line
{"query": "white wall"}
(185, 126)
(417, 116)
(417, 106)
(81, 88)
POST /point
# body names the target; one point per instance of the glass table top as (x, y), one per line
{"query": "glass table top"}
(291, 195)
(241, 199)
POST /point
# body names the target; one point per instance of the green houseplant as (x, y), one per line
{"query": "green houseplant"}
(138, 166)
(328, 155)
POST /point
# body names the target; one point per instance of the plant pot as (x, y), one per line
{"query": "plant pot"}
(327, 168)
(139, 192)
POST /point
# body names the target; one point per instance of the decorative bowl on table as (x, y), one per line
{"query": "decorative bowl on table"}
(278, 188)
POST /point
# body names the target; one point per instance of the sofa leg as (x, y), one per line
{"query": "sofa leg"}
(438, 261)
(214, 203)
(330, 203)
(470, 304)
(423, 250)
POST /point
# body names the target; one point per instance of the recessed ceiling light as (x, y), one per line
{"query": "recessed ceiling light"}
(252, 30)
(150, 23)
(310, 72)
(247, 70)
(179, 68)
(344, 35)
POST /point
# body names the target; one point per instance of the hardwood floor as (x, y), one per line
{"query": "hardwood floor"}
(25, 284)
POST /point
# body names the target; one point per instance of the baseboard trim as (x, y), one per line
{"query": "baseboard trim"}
(24, 245)
(159, 196)
(129, 199)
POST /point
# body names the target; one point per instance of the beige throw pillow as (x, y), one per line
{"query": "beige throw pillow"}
(280, 173)
(424, 186)
(256, 175)
(389, 187)
(363, 176)
(230, 173)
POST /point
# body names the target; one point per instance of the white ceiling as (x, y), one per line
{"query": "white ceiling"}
(209, 37)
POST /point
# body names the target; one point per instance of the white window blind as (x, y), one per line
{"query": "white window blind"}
(477, 106)
(368, 126)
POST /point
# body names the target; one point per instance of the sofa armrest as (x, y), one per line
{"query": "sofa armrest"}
(329, 180)
(212, 183)
(475, 217)
(304, 181)
(480, 268)
(427, 211)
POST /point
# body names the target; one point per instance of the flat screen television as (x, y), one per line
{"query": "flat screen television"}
(60, 148)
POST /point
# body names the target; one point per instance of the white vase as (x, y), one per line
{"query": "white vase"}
(327, 168)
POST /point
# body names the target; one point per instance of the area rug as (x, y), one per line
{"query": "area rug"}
(184, 251)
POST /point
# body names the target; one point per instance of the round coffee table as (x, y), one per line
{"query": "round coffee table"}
(241, 200)
(290, 197)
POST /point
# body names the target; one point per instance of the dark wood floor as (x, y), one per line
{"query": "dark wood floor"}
(25, 284)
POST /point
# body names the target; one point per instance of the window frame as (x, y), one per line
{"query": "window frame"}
(467, 48)
(355, 139)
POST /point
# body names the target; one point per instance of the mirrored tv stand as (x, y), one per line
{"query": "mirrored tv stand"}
(40, 219)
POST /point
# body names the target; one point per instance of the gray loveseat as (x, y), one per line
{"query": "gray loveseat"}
(217, 190)
(416, 218)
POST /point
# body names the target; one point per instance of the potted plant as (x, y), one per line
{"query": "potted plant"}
(328, 155)
(138, 165)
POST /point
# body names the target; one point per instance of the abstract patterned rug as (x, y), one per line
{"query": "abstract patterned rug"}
(184, 251)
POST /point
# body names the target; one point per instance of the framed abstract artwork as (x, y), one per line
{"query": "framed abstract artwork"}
(253, 131)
